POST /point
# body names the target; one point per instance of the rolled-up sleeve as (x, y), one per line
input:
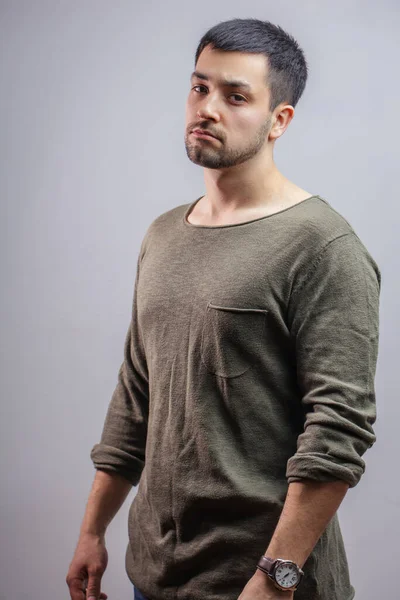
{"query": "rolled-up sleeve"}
(334, 321)
(123, 439)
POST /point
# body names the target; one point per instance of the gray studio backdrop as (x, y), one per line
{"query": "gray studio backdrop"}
(91, 142)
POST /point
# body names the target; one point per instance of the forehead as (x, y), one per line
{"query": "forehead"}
(226, 68)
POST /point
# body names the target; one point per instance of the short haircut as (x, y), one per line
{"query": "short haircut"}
(287, 67)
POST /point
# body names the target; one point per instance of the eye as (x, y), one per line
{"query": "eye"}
(203, 86)
(238, 96)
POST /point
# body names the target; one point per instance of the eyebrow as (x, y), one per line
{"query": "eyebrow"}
(234, 83)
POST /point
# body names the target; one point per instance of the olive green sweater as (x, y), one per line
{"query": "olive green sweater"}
(249, 363)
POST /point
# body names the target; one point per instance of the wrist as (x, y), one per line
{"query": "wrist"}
(284, 574)
(263, 577)
(266, 583)
(94, 534)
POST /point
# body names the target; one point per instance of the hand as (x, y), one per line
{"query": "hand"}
(87, 567)
(260, 587)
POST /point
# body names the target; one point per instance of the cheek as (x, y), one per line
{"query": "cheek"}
(190, 113)
(244, 130)
(246, 120)
(252, 122)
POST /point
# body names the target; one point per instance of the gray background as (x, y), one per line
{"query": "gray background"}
(91, 143)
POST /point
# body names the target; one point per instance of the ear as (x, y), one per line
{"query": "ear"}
(283, 116)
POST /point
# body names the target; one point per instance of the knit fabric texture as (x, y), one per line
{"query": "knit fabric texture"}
(249, 363)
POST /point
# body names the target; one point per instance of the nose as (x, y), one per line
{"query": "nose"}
(208, 109)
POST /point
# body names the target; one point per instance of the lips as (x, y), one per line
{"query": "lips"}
(204, 132)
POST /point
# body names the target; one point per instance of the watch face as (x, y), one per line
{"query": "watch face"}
(286, 574)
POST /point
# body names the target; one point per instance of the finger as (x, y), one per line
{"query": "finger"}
(76, 590)
(93, 588)
(103, 596)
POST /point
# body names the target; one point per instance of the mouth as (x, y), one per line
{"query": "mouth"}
(203, 134)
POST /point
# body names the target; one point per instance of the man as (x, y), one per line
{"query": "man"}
(246, 396)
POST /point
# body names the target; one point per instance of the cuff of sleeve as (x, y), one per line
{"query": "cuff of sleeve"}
(319, 468)
(108, 458)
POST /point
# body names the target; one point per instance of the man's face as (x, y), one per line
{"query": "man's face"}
(238, 116)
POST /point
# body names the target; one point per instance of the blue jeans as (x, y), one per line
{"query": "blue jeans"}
(138, 595)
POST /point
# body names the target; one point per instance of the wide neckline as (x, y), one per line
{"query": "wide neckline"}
(192, 225)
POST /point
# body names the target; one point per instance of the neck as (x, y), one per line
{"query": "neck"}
(235, 188)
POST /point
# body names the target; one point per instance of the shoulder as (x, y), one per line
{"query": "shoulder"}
(162, 226)
(319, 222)
(169, 217)
(329, 225)
(325, 238)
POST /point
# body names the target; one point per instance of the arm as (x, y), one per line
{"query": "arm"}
(123, 441)
(119, 459)
(90, 559)
(308, 508)
(107, 495)
(333, 318)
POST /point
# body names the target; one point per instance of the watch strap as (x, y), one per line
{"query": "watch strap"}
(266, 564)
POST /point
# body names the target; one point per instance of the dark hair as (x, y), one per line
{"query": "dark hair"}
(287, 67)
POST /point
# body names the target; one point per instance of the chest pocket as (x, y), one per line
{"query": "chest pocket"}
(232, 339)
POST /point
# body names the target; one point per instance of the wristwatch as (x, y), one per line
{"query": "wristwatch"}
(285, 574)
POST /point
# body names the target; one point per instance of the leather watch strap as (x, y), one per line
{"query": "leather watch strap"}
(266, 564)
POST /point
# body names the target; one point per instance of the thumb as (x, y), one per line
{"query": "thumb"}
(93, 588)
